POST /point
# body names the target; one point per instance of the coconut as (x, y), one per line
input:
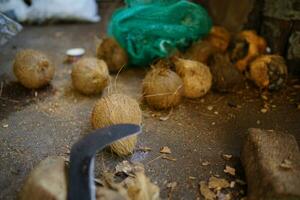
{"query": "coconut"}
(117, 109)
(162, 88)
(219, 37)
(90, 75)
(245, 47)
(269, 71)
(196, 76)
(112, 53)
(226, 77)
(33, 69)
(200, 51)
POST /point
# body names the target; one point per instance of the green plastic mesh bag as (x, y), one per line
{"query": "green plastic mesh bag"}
(150, 29)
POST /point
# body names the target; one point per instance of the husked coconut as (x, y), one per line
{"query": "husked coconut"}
(162, 88)
(112, 53)
(219, 37)
(116, 109)
(33, 69)
(226, 77)
(90, 75)
(269, 71)
(245, 47)
(197, 78)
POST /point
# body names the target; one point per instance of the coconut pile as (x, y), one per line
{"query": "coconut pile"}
(221, 62)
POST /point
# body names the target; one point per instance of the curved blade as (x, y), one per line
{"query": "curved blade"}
(81, 171)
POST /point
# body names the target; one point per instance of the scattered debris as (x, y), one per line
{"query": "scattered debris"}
(165, 150)
(258, 122)
(145, 149)
(217, 183)
(206, 192)
(210, 108)
(286, 164)
(5, 125)
(263, 110)
(232, 184)
(192, 177)
(169, 158)
(229, 170)
(226, 156)
(172, 185)
(205, 163)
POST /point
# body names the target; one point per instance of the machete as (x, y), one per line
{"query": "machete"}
(81, 170)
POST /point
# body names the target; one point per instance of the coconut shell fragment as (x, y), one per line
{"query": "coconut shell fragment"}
(117, 109)
(33, 69)
(245, 47)
(197, 78)
(226, 77)
(112, 53)
(90, 75)
(269, 72)
(162, 88)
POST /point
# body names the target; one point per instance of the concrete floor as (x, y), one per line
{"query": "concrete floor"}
(48, 121)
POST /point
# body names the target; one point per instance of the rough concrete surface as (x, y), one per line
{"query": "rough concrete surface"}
(46, 122)
(272, 165)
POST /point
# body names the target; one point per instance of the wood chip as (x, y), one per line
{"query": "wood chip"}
(226, 156)
(205, 163)
(217, 183)
(5, 126)
(229, 170)
(206, 192)
(169, 158)
(165, 150)
(192, 177)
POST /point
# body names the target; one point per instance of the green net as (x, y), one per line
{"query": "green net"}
(150, 29)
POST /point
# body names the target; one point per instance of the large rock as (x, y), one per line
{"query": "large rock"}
(272, 165)
(48, 180)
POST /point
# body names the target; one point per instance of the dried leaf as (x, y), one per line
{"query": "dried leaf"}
(217, 183)
(229, 170)
(286, 164)
(165, 150)
(206, 192)
(142, 188)
(169, 158)
(205, 163)
(227, 156)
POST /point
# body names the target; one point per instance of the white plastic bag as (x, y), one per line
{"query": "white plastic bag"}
(82, 10)
(43, 10)
(15, 9)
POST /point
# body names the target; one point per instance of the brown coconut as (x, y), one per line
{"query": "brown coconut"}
(162, 88)
(90, 75)
(197, 78)
(200, 51)
(112, 53)
(269, 71)
(116, 109)
(226, 77)
(33, 69)
(219, 37)
(245, 47)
